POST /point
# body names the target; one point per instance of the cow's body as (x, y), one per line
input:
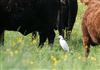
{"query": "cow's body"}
(68, 12)
(27, 16)
(91, 25)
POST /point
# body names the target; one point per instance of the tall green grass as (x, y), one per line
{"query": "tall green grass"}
(21, 53)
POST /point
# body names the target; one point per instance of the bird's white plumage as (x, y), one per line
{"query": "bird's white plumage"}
(63, 44)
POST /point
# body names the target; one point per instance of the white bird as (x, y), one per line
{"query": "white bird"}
(63, 44)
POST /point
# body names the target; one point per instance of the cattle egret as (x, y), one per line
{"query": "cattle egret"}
(63, 44)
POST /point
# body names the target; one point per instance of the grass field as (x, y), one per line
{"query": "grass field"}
(20, 53)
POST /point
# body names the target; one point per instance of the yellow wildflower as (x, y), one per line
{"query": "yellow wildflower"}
(79, 57)
(16, 51)
(31, 62)
(93, 58)
(34, 42)
(8, 50)
(11, 53)
(20, 39)
(52, 57)
(54, 60)
(65, 57)
(53, 69)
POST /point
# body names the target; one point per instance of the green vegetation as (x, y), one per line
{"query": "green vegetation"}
(20, 53)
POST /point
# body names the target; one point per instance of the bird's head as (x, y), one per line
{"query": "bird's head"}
(60, 37)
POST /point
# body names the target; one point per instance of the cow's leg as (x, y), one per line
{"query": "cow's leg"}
(86, 44)
(61, 31)
(68, 33)
(63, 19)
(71, 9)
(51, 37)
(61, 24)
(86, 39)
(43, 37)
(1, 37)
(87, 50)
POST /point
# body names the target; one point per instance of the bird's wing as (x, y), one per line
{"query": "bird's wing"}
(64, 45)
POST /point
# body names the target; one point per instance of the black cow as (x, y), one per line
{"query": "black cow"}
(27, 16)
(67, 16)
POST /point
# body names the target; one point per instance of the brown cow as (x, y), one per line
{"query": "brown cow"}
(91, 24)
